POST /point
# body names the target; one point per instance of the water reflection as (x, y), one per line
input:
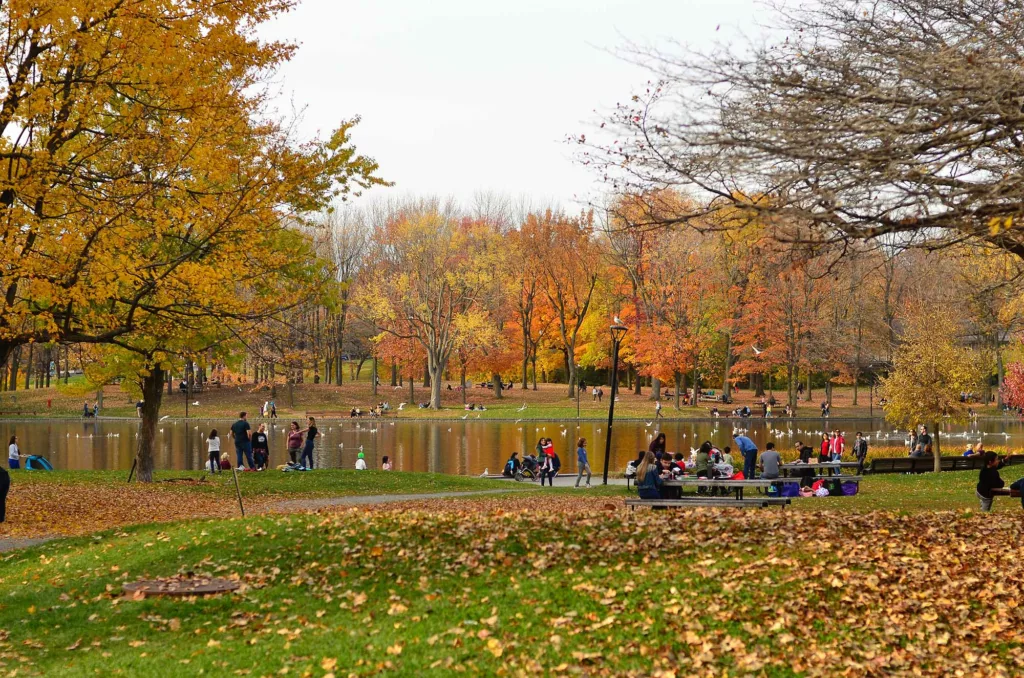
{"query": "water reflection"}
(456, 447)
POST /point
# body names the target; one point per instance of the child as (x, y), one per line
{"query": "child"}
(361, 462)
(213, 447)
(225, 463)
(385, 464)
(989, 479)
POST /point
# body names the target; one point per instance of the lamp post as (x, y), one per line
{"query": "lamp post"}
(618, 331)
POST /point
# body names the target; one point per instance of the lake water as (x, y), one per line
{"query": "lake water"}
(459, 447)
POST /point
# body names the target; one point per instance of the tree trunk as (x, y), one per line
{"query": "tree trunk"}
(526, 364)
(426, 374)
(571, 367)
(99, 399)
(809, 396)
(394, 373)
(412, 391)
(28, 366)
(496, 384)
(373, 377)
(49, 364)
(534, 359)
(679, 388)
(462, 380)
(638, 383)
(152, 392)
(936, 452)
(792, 375)
(340, 346)
(15, 363)
(726, 384)
(655, 389)
(67, 365)
(999, 375)
(170, 383)
(758, 385)
(436, 370)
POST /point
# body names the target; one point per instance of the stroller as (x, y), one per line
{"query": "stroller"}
(529, 470)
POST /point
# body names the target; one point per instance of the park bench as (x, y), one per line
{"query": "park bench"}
(712, 502)
(927, 463)
(1005, 492)
(9, 413)
(735, 486)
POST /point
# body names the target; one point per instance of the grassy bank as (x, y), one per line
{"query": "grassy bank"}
(550, 401)
(503, 588)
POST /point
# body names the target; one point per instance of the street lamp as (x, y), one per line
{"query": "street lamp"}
(618, 332)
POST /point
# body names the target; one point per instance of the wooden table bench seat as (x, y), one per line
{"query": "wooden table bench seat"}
(712, 502)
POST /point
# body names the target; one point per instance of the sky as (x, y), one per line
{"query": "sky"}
(459, 97)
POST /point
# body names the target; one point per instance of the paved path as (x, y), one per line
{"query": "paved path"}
(12, 543)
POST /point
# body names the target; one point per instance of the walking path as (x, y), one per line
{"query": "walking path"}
(12, 543)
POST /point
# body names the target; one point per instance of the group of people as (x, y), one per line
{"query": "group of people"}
(920, 442)
(547, 463)
(253, 447)
(269, 409)
(88, 411)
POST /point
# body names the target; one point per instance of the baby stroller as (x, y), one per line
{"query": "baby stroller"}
(529, 470)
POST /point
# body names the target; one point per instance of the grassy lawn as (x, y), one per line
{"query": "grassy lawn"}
(550, 401)
(562, 586)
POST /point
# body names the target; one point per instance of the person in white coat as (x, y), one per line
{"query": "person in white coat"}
(361, 462)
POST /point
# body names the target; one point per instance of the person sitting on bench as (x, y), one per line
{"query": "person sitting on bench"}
(649, 482)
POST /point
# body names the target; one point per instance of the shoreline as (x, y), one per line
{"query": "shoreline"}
(454, 419)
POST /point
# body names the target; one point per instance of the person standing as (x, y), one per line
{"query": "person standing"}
(273, 410)
(213, 449)
(807, 474)
(748, 449)
(581, 462)
(826, 445)
(989, 479)
(13, 453)
(307, 450)
(241, 433)
(294, 441)
(924, 443)
(261, 448)
(749, 452)
(657, 410)
(600, 394)
(5, 487)
(860, 451)
(657, 445)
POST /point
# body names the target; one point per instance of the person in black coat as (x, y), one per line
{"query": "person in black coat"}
(806, 474)
(5, 486)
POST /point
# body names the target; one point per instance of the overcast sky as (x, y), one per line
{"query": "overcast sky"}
(460, 96)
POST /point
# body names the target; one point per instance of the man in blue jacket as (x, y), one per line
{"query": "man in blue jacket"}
(749, 451)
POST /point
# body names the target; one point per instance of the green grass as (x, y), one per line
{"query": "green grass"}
(486, 591)
(319, 483)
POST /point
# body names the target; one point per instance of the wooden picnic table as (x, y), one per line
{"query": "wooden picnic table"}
(737, 486)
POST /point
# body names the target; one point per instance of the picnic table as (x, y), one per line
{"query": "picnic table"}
(735, 486)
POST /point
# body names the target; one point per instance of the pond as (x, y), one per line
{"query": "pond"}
(453, 447)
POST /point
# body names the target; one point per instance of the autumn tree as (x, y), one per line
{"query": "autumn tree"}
(426, 282)
(863, 120)
(570, 262)
(931, 369)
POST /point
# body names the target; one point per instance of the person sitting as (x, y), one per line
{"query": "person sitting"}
(225, 463)
(714, 411)
(703, 459)
(649, 481)
(385, 464)
(678, 463)
(770, 461)
(512, 466)
(352, 413)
